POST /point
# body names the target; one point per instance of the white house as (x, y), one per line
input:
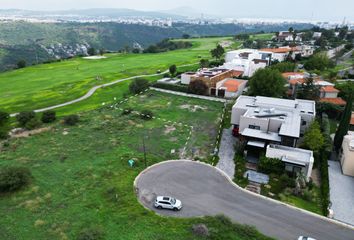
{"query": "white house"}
(271, 120)
(296, 160)
(232, 87)
(347, 154)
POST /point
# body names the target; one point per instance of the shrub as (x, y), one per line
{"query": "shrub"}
(13, 178)
(138, 85)
(127, 111)
(270, 165)
(324, 182)
(32, 124)
(48, 116)
(71, 120)
(24, 117)
(4, 128)
(92, 233)
(200, 230)
(146, 114)
(173, 69)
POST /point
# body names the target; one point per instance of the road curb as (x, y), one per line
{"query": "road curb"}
(240, 188)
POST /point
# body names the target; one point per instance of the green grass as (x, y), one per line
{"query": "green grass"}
(82, 179)
(333, 124)
(263, 36)
(301, 203)
(49, 84)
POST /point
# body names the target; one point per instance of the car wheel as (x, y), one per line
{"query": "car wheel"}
(175, 209)
(159, 207)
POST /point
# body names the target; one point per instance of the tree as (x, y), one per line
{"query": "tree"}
(13, 178)
(217, 52)
(291, 29)
(313, 138)
(344, 123)
(308, 90)
(91, 51)
(21, 64)
(138, 85)
(173, 69)
(267, 82)
(283, 66)
(186, 36)
(71, 120)
(204, 63)
(198, 87)
(242, 36)
(102, 51)
(48, 116)
(319, 61)
(24, 117)
(4, 128)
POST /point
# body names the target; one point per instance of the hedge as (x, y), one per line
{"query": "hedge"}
(172, 87)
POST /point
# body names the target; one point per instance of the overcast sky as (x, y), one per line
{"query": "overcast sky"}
(295, 9)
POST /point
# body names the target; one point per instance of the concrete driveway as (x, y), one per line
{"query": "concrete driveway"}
(205, 190)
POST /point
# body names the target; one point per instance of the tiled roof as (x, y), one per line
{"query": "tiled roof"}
(277, 50)
(352, 119)
(297, 81)
(233, 84)
(329, 89)
(336, 101)
(289, 74)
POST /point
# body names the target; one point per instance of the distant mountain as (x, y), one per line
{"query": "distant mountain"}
(184, 11)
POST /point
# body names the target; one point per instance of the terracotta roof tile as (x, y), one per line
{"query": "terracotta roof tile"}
(336, 101)
(232, 85)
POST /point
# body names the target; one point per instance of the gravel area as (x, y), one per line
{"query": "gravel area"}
(341, 193)
(226, 153)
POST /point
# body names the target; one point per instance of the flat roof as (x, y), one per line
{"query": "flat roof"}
(271, 136)
(284, 110)
(291, 155)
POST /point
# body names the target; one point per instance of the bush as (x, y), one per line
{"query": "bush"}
(13, 178)
(200, 230)
(127, 111)
(91, 234)
(138, 85)
(172, 87)
(4, 126)
(48, 116)
(32, 124)
(198, 87)
(24, 117)
(71, 120)
(146, 114)
(324, 182)
(270, 165)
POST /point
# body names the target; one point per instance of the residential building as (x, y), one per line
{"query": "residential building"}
(326, 90)
(229, 88)
(347, 154)
(247, 60)
(351, 125)
(295, 159)
(272, 120)
(317, 35)
(288, 36)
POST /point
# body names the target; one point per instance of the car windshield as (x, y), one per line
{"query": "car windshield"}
(173, 201)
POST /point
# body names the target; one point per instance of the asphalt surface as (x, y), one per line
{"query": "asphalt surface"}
(203, 190)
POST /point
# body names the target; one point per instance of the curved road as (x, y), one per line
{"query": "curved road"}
(94, 89)
(205, 190)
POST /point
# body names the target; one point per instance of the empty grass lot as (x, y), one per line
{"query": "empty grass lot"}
(45, 85)
(81, 177)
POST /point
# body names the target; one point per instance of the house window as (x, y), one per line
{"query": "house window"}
(303, 123)
(254, 127)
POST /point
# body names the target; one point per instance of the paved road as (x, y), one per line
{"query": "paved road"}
(204, 190)
(94, 89)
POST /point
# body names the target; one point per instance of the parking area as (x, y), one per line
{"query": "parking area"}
(342, 193)
(205, 190)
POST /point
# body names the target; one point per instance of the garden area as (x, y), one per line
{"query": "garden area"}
(75, 180)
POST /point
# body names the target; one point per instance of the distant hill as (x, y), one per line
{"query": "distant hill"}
(40, 42)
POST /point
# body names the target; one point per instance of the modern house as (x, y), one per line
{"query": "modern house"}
(230, 87)
(247, 60)
(274, 125)
(211, 77)
(295, 159)
(347, 154)
(288, 36)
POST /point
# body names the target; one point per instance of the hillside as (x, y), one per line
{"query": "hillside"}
(40, 42)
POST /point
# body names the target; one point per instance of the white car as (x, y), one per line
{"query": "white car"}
(305, 238)
(168, 203)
